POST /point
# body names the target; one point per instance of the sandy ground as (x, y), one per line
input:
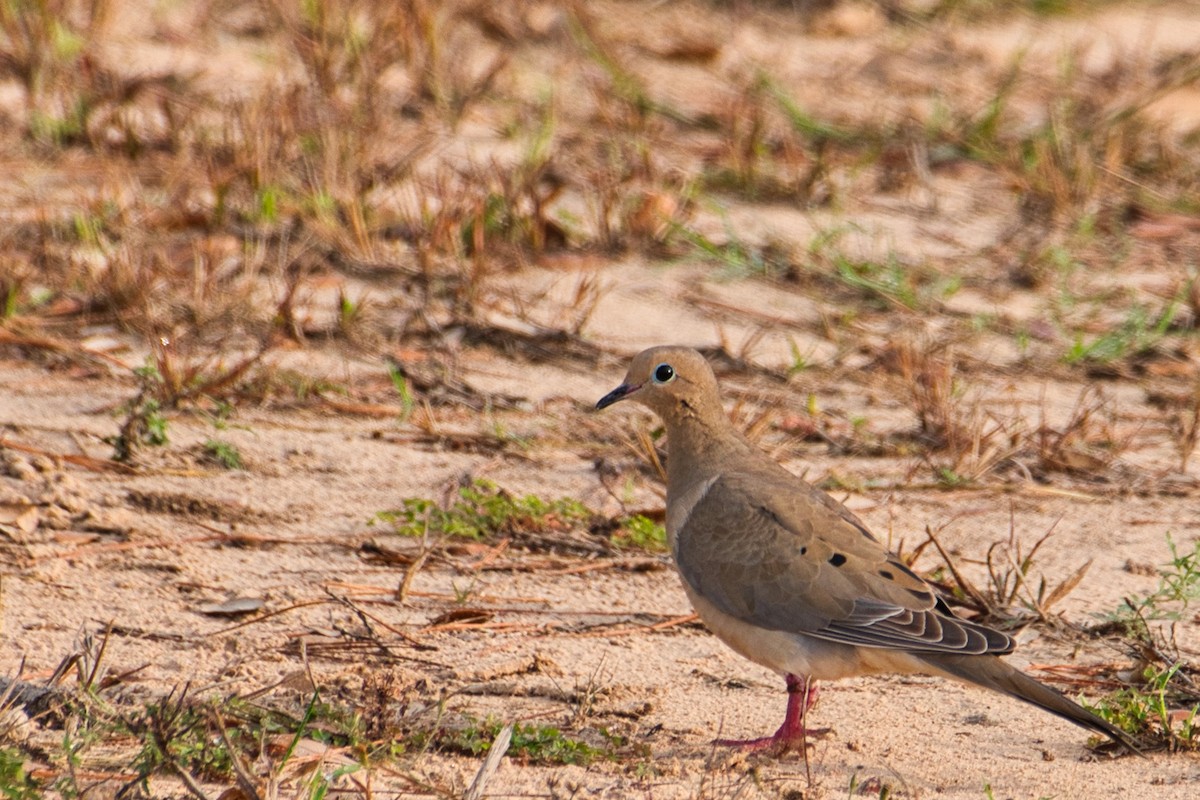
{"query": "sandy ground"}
(144, 553)
(595, 644)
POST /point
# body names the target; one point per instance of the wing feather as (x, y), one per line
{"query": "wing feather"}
(770, 556)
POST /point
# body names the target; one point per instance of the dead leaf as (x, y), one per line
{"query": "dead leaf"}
(236, 607)
(1066, 587)
(462, 615)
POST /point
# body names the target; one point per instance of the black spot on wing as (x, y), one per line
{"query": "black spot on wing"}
(770, 515)
(926, 596)
(837, 559)
(901, 568)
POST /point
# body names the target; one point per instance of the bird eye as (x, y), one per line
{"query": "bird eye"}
(664, 373)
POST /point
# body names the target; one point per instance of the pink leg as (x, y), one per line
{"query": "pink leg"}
(802, 695)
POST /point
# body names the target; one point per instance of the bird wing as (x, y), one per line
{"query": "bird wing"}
(777, 553)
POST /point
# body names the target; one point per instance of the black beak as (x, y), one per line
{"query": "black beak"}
(619, 393)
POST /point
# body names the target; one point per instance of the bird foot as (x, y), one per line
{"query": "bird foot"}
(779, 743)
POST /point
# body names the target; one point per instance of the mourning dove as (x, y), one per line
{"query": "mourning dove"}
(791, 579)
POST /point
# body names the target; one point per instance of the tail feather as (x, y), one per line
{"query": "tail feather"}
(992, 673)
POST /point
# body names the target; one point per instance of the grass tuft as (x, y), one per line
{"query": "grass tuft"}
(15, 781)
(642, 533)
(1161, 705)
(483, 510)
(224, 454)
(534, 744)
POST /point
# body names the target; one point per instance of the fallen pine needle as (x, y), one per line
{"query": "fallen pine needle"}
(636, 629)
(269, 614)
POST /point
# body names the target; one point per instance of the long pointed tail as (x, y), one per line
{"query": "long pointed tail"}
(992, 673)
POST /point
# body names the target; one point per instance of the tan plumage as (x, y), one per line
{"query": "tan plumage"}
(790, 578)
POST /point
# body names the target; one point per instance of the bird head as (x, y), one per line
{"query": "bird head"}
(673, 382)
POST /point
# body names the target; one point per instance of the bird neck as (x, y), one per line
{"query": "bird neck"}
(698, 447)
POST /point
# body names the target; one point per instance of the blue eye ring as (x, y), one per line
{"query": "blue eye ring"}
(664, 373)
